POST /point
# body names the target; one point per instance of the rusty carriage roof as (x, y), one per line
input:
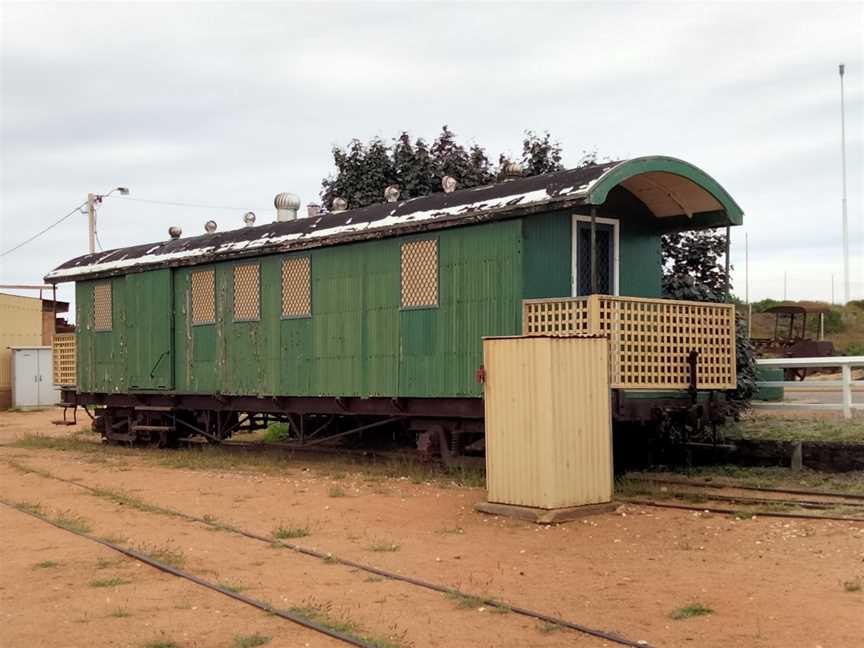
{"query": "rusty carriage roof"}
(656, 180)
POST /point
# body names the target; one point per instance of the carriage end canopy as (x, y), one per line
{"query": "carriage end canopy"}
(671, 189)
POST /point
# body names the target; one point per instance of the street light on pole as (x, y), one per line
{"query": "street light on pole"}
(845, 219)
(92, 199)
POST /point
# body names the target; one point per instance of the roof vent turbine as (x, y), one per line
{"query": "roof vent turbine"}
(448, 183)
(339, 205)
(286, 205)
(174, 232)
(511, 170)
(210, 226)
(313, 210)
(391, 193)
(249, 218)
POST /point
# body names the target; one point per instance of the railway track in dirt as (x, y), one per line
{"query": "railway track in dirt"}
(775, 502)
(607, 636)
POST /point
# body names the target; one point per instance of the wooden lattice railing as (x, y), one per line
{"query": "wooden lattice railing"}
(64, 359)
(649, 339)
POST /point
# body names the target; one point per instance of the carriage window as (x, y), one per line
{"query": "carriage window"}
(296, 287)
(420, 274)
(203, 295)
(247, 293)
(102, 316)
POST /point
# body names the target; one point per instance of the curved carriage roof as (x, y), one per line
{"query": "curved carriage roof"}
(676, 191)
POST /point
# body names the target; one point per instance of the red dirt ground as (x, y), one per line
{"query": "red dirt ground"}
(769, 581)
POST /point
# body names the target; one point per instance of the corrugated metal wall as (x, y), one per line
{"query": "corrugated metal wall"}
(547, 420)
(358, 342)
(101, 356)
(20, 325)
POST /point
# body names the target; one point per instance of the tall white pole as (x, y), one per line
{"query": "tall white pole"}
(91, 221)
(784, 285)
(746, 267)
(747, 284)
(846, 296)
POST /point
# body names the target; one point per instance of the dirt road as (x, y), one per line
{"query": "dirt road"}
(769, 582)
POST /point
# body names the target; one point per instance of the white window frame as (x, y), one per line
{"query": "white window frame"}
(574, 240)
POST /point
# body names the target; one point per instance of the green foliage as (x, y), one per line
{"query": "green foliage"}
(276, 432)
(540, 154)
(109, 582)
(764, 304)
(284, 532)
(692, 610)
(364, 171)
(692, 268)
(250, 641)
(855, 349)
(833, 321)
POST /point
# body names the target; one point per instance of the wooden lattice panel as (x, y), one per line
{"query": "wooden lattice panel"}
(64, 358)
(102, 313)
(247, 293)
(420, 274)
(203, 296)
(555, 317)
(296, 287)
(649, 339)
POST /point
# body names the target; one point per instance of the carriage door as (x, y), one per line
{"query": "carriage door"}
(607, 256)
(149, 327)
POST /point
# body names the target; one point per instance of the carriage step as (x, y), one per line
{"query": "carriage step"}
(152, 428)
(152, 408)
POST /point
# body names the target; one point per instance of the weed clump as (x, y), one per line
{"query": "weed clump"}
(285, 532)
(689, 611)
(109, 582)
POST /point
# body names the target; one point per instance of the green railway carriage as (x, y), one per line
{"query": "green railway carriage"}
(366, 316)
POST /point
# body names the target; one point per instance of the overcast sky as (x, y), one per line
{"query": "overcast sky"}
(228, 104)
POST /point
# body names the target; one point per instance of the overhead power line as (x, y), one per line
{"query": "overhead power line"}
(179, 204)
(40, 233)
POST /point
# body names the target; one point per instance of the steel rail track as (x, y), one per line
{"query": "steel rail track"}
(790, 491)
(179, 573)
(717, 509)
(489, 602)
(743, 499)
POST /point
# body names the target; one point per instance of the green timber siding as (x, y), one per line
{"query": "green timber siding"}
(547, 246)
(641, 261)
(358, 342)
(547, 243)
(101, 355)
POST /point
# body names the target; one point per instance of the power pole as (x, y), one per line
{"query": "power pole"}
(91, 221)
(845, 219)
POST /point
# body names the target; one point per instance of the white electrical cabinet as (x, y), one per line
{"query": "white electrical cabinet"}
(32, 381)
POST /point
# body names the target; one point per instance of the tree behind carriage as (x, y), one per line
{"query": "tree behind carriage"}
(693, 262)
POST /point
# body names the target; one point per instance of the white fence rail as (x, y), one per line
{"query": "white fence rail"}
(845, 384)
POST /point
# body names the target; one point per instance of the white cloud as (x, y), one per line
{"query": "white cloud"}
(229, 104)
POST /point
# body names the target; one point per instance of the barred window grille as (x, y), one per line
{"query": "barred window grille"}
(247, 293)
(102, 315)
(420, 274)
(296, 287)
(203, 295)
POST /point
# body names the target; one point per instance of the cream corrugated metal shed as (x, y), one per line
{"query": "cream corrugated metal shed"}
(548, 421)
(20, 325)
